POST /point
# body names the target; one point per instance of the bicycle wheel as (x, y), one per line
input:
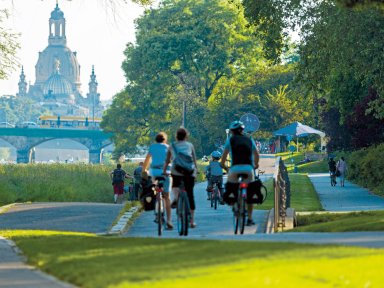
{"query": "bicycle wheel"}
(185, 213)
(212, 196)
(159, 215)
(216, 197)
(235, 218)
(180, 216)
(242, 215)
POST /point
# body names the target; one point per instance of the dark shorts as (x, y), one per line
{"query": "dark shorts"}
(189, 183)
(118, 188)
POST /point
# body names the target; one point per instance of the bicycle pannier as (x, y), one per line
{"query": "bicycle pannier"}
(230, 194)
(255, 193)
(148, 198)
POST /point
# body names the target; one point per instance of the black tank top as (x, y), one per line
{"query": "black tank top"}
(241, 147)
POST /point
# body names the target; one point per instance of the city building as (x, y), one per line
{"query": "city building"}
(57, 85)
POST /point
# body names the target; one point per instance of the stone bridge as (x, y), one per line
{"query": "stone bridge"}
(24, 139)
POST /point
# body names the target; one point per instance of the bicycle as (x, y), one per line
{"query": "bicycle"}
(183, 211)
(215, 195)
(159, 204)
(333, 178)
(239, 207)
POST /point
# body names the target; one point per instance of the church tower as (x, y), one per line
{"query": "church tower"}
(92, 96)
(57, 27)
(57, 49)
(22, 84)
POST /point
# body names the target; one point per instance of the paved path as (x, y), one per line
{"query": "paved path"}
(78, 217)
(348, 198)
(211, 224)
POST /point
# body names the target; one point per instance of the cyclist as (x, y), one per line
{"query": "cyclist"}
(157, 153)
(215, 172)
(244, 158)
(332, 168)
(185, 147)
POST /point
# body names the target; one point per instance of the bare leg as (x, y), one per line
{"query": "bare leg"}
(167, 203)
(192, 217)
(250, 210)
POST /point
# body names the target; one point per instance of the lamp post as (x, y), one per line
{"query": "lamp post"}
(184, 120)
(227, 132)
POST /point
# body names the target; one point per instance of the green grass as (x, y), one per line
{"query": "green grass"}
(341, 222)
(56, 182)
(311, 167)
(92, 261)
(303, 194)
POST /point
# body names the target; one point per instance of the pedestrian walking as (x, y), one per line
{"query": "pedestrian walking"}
(137, 181)
(341, 166)
(117, 176)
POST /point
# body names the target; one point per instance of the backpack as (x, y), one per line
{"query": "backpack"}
(118, 176)
(183, 163)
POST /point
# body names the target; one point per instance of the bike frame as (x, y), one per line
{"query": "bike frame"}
(160, 207)
(239, 210)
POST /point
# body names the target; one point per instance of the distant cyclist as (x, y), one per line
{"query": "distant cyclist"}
(215, 172)
(244, 158)
(332, 168)
(117, 176)
(157, 153)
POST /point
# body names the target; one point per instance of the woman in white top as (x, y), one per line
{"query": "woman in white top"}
(341, 166)
(157, 153)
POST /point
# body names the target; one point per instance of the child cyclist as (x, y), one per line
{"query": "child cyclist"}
(215, 172)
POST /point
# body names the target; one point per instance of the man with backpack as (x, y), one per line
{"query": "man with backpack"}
(117, 176)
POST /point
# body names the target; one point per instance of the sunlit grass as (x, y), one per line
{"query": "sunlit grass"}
(341, 222)
(92, 261)
(303, 194)
(56, 182)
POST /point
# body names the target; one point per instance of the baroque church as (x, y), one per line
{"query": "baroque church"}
(57, 87)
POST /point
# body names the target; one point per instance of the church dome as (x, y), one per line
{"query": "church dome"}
(58, 85)
(57, 14)
(69, 65)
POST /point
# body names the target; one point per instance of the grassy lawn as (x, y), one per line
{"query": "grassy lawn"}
(303, 195)
(92, 261)
(311, 167)
(341, 222)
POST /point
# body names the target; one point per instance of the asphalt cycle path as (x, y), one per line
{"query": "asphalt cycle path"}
(351, 197)
(211, 223)
(77, 217)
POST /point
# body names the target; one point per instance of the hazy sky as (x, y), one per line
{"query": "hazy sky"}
(94, 32)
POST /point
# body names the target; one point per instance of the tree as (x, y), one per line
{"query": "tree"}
(8, 47)
(183, 50)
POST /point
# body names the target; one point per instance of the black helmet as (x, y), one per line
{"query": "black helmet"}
(236, 125)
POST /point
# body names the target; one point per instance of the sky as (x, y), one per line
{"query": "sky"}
(98, 35)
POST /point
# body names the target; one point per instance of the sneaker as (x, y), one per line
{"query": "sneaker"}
(250, 222)
(169, 226)
(193, 225)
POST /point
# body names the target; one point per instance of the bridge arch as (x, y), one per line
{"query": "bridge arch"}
(60, 150)
(24, 139)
